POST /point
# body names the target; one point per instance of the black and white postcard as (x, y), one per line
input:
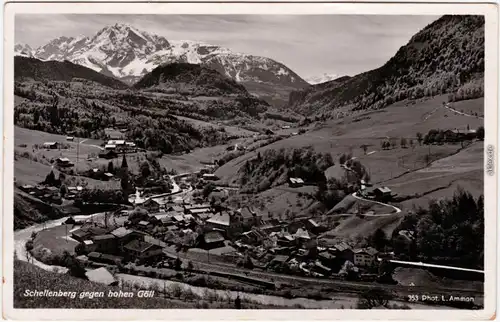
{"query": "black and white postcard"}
(336, 161)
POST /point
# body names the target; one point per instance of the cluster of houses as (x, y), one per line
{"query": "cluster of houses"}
(49, 193)
(272, 244)
(115, 245)
(120, 146)
(367, 190)
(99, 174)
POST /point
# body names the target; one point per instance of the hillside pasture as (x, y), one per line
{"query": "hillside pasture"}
(354, 227)
(229, 129)
(405, 119)
(371, 128)
(27, 171)
(464, 169)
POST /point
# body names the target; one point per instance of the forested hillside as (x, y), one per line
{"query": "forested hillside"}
(31, 68)
(447, 56)
(190, 78)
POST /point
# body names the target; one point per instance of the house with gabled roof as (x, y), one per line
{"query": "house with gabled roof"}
(140, 249)
(364, 257)
(211, 239)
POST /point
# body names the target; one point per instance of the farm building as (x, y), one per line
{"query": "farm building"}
(109, 154)
(108, 176)
(110, 147)
(295, 182)
(117, 143)
(382, 193)
(64, 162)
(50, 145)
(27, 188)
(70, 138)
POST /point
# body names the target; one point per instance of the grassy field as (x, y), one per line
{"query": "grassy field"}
(231, 130)
(55, 240)
(27, 171)
(352, 228)
(280, 201)
(464, 169)
(30, 277)
(371, 128)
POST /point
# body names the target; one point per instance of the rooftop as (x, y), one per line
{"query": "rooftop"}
(342, 246)
(121, 232)
(280, 258)
(302, 233)
(383, 189)
(103, 237)
(368, 250)
(139, 246)
(101, 275)
(213, 237)
(220, 219)
(312, 222)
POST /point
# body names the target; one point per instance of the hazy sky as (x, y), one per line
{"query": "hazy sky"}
(309, 45)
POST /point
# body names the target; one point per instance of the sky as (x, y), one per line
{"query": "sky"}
(310, 45)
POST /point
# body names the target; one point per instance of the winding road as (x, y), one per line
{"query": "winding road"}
(355, 195)
(461, 113)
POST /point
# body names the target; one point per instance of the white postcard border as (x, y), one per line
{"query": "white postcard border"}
(490, 11)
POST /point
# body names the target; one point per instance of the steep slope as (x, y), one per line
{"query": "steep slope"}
(31, 68)
(444, 57)
(127, 53)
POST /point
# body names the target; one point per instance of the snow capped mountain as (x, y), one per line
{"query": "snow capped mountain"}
(23, 50)
(313, 80)
(127, 53)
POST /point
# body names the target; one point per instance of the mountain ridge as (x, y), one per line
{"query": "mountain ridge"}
(126, 53)
(444, 57)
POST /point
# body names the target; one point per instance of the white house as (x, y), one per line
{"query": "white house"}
(364, 257)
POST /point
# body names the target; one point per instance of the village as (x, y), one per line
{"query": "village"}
(155, 230)
(181, 222)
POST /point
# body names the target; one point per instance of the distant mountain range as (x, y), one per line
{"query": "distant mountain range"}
(126, 53)
(313, 80)
(444, 57)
